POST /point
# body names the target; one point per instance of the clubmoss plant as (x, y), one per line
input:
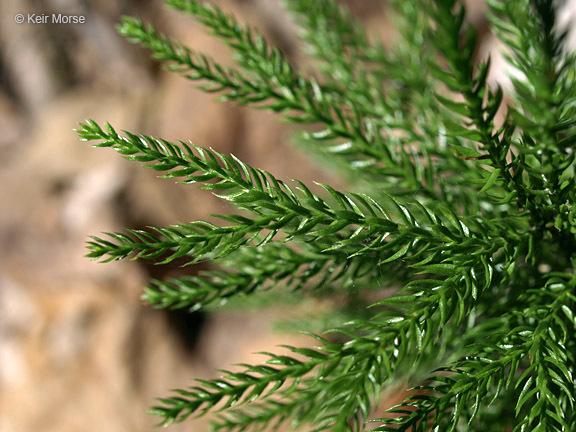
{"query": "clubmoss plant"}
(471, 218)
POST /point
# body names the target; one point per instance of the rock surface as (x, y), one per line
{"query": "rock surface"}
(78, 350)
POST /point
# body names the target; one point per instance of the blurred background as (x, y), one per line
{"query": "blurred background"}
(78, 350)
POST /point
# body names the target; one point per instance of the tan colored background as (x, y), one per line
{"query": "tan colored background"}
(78, 351)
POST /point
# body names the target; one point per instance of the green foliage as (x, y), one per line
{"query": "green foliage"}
(470, 218)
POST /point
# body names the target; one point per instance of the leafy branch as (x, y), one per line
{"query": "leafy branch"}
(469, 218)
(276, 86)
